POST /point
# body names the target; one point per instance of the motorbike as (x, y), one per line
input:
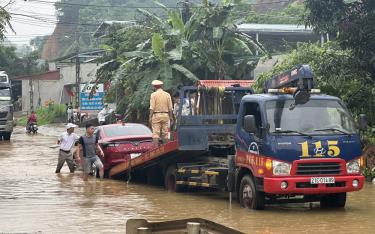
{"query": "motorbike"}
(106, 118)
(101, 119)
(32, 128)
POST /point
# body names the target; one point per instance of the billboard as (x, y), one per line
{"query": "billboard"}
(93, 102)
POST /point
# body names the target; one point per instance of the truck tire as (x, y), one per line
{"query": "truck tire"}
(248, 195)
(333, 200)
(7, 136)
(170, 181)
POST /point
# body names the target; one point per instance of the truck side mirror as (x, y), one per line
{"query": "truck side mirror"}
(362, 122)
(249, 123)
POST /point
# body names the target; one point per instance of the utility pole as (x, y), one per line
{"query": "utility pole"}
(31, 94)
(78, 69)
(185, 11)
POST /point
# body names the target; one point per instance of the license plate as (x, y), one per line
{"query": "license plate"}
(322, 180)
(134, 155)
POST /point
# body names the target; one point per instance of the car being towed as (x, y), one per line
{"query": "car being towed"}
(121, 142)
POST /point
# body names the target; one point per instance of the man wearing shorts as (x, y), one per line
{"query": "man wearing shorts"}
(89, 146)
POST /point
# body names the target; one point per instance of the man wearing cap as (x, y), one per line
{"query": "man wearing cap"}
(160, 112)
(66, 141)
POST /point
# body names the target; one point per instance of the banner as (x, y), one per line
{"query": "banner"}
(91, 99)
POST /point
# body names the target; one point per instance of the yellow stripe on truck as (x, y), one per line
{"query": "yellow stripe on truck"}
(211, 173)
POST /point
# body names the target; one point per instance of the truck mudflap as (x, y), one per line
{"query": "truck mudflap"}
(313, 185)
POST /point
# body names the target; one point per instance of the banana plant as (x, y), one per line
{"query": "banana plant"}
(206, 46)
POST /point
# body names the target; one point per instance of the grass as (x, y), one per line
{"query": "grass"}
(46, 115)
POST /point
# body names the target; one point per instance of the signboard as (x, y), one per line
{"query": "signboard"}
(95, 102)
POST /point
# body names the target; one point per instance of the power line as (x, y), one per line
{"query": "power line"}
(146, 7)
(45, 20)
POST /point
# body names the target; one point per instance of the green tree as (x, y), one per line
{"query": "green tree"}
(351, 22)
(206, 46)
(4, 20)
(19, 66)
(292, 14)
(78, 19)
(337, 72)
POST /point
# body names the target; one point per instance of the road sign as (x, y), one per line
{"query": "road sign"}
(93, 102)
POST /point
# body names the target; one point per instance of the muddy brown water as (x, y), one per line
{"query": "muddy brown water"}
(33, 199)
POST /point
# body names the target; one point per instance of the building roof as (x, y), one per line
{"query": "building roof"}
(224, 83)
(51, 75)
(274, 29)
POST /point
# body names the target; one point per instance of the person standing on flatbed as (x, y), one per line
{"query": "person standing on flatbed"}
(160, 112)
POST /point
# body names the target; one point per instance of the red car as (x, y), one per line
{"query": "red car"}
(121, 142)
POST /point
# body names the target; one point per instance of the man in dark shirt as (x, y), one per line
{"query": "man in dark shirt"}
(89, 145)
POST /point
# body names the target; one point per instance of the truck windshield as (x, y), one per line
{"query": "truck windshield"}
(4, 95)
(3, 79)
(313, 117)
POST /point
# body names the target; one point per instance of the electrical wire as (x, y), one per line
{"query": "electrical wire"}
(146, 7)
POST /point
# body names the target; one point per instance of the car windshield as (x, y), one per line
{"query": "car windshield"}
(313, 117)
(126, 130)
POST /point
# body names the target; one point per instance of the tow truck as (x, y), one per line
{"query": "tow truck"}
(288, 144)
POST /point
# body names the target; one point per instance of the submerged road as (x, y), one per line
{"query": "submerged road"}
(33, 199)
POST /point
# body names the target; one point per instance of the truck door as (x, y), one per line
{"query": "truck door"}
(250, 142)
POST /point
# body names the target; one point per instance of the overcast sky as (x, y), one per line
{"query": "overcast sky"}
(39, 19)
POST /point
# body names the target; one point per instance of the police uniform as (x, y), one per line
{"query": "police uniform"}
(161, 106)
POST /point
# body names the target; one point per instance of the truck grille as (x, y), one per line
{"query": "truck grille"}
(3, 114)
(324, 168)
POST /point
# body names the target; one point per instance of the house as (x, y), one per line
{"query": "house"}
(57, 85)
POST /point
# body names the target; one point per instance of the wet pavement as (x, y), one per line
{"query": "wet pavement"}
(33, 199)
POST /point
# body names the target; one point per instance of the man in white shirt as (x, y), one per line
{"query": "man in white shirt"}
(103, 114)
(66, 141)
(69, 112)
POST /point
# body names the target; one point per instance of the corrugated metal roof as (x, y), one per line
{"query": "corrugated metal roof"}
(225, 83)
(274, 28)
(51, 75)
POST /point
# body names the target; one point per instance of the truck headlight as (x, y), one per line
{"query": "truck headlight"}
(353, 167)
(281, 168)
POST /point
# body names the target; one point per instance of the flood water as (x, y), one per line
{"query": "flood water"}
(33, 199)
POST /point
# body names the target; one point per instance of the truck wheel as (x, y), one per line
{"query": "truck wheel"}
(249, 196)
(333, 200)
(170, 181)
(7, 136)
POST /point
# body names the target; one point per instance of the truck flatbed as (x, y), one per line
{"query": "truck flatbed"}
(165, 152)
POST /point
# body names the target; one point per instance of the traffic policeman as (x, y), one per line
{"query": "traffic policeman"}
(160, 112)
